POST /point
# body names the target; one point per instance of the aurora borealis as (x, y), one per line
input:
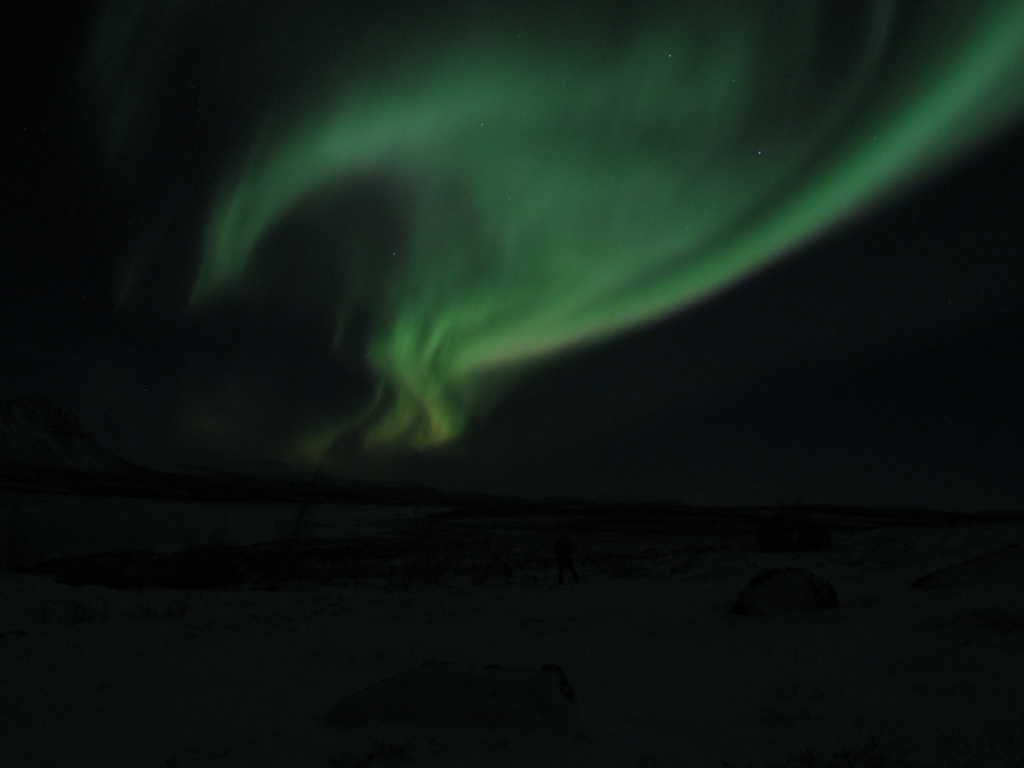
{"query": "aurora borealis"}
(554, 194)
(546, 179)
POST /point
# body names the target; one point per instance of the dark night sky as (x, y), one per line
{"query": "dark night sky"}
(882, 364)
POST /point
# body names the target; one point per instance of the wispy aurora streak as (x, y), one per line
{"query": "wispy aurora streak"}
(564, 185)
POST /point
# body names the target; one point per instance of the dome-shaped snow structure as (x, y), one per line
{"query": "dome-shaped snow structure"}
(785, 590)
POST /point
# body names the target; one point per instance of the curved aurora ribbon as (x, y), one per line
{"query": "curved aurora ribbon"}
(556, 194)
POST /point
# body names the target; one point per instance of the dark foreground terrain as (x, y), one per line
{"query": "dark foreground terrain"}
(237, 655)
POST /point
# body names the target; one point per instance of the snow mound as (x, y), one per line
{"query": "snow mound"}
(785, 590)
(454, 713)
(442, 693)
(1000, 567)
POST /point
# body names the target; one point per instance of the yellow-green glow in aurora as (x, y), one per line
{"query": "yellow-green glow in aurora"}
(558, 187)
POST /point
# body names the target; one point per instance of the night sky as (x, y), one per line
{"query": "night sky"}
(766, 253)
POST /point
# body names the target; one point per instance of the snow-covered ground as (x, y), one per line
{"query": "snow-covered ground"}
(664, 674)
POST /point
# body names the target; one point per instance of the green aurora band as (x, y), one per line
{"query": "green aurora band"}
(561, 187)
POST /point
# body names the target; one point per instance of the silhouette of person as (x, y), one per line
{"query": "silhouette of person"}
(563, 555)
